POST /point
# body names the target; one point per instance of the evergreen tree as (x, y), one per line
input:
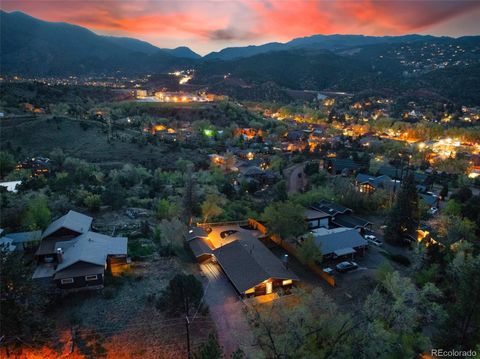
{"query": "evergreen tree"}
(22, 303)
(184, 292)
(404, 215)
(460, 329)
(281, 191)
(190, 195)
(444, 192)
(210, 350)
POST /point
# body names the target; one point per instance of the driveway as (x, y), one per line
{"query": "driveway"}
(227, 310)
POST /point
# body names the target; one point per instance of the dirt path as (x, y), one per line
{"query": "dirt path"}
(296, 178)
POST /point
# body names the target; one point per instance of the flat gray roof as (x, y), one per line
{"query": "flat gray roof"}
(339, 241)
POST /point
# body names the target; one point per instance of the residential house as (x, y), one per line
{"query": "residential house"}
(10, 186)
(331, 208)
(317, 219)
(369, 184)
(20, 241)
(343, 166)
(353, 222)
(248, 264)
(390, 171)
(83, 260)
(431, 200)
(73, 256)
(342, 216)
(202, 248)
(64, 228)
(339, 242)
(259, 176)
(38, 165)
(252, 268)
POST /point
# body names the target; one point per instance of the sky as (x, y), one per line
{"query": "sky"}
(207, 26)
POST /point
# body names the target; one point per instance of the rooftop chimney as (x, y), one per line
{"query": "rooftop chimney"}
(59, 255)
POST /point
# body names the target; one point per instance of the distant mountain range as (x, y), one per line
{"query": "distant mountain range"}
(326, 42)
(32, 47)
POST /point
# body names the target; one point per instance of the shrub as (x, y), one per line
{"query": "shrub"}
(182, 289)
(93, 202)
(139, 251)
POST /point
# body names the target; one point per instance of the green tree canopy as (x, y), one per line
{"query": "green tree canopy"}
(308, 251)
(286, 219)
(182, 295)
(37, 214)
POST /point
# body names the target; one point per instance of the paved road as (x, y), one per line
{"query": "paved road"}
(227, 311)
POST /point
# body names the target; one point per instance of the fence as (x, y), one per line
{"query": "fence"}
(292, 249)
(218, 224)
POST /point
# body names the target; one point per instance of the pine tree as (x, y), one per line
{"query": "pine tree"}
(444, 192)
(210, 350)
(190, 196)
(404, 216)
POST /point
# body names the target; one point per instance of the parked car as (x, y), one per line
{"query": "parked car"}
(328, 270)
(372, 239)
(225, 234)
(346, 266)
(433, 211)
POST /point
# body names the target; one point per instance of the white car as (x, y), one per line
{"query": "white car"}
(328, 270)
(372, 239)
(433, 211)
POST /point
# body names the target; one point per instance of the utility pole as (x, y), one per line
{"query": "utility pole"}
(187, 324)
(72, 347)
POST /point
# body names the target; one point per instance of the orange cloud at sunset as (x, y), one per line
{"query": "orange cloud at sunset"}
(210, 25)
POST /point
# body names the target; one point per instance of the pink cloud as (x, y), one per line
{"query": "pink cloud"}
(213, 24)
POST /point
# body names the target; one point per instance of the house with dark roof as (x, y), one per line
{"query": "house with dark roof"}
(343, 166)
(429, 199)
(74, 257)
(201, 247)
(259, 176)
(342, 216)
(82, 261)
(316, 218)
(390, 171)
(252, 268)
(248, 264)
(339, 242)
(20, 240)
(353, 222)
(331, 208)
(369, 184)
(66, 227)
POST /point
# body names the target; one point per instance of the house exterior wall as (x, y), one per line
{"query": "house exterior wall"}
(78, 272)
(80, 282)
(261, 289)
(317, 223)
